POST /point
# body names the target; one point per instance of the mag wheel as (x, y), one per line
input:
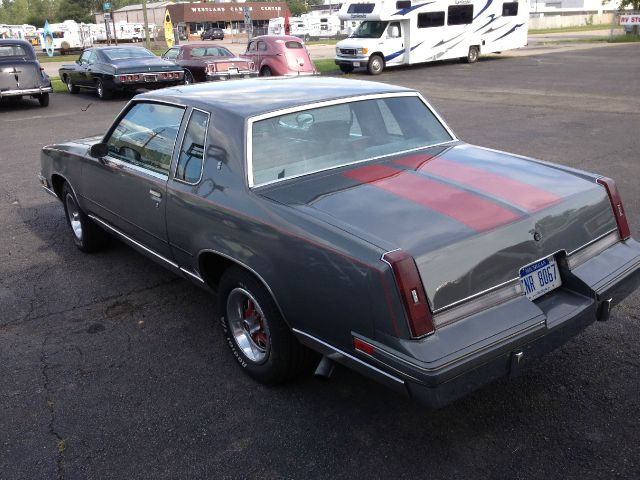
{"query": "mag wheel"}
(255, 331)
(376, 65)
(70, 86)
(188, 78)
(103, 92)
(472, 56)
(87, 236)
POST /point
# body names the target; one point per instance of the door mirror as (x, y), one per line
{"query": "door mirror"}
(394, 31)
(99, 150)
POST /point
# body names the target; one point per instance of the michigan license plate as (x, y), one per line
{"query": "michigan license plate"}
(540, 277)
(233, 71)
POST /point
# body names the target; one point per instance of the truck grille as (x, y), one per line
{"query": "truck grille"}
(348, 51)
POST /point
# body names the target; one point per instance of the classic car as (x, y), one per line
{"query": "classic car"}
(280, 55)
(212, 34)
(20, 72)
(206, 62)
(343, 221)
(110, 69)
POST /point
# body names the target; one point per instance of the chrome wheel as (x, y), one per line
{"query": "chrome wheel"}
(73, 213)
(188, 78)
(100, 89)
(376, 65)
(248, 325)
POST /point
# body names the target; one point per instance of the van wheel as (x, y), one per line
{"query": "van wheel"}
(346, 68)
(376, 65)
(472, 56)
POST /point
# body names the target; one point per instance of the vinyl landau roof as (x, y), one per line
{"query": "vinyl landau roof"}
(247, 98)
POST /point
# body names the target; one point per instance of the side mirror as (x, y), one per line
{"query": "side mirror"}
(99, 150)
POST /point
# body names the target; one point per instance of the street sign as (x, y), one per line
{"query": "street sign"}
(107, 16)
(106, 7)
(247, 15)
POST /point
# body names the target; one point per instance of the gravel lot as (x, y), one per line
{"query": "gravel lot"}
(111, 367)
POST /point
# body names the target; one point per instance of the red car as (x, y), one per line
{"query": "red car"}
(206, 62)
(280, 55)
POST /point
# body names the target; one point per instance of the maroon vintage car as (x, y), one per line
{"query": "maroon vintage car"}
(280, 55)
(205, 62)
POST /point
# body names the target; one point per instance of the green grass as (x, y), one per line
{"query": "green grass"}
(583, 28)
(326, 65)
(624, 38)
(58, 85)
(615, 39)
(328, 41)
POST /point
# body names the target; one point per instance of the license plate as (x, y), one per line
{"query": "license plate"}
(356, 64)
(540, 277)
(150, 78)
(233, 71)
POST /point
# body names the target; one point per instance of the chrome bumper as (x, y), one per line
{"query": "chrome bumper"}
(230, 76)
(26, 91)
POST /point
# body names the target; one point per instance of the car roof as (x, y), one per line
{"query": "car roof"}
(250, 97)
(275, 38)
(14, 41)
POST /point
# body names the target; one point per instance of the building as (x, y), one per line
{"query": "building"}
(134, 14)
(192, 18)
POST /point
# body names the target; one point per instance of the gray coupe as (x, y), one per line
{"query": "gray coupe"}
(20, 72)
(343, 221)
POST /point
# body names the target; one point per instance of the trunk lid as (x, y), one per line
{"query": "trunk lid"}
(470, 217)
(19, 75)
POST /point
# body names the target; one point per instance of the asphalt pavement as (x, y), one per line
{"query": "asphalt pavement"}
(113, 368)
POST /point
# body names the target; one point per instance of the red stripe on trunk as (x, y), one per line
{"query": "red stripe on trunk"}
(474, 211)
(512, 191)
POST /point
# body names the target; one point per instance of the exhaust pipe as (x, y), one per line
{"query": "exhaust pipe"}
(325, 368)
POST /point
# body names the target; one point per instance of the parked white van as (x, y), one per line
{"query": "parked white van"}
(405, 32)
(66, 36)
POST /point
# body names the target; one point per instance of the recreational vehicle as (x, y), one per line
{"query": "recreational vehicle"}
(299, 27)
(323, 26)
(66, 36)
(405, 32)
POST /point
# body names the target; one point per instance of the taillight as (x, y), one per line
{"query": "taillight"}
(616, 205)
(211, 67)
(412, 292)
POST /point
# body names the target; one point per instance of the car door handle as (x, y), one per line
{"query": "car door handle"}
(155, 195)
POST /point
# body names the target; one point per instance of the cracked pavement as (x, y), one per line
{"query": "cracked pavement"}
(112, 368)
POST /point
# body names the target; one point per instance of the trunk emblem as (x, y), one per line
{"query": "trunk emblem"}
(537, 236)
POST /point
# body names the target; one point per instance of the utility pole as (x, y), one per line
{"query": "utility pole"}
(147, 40)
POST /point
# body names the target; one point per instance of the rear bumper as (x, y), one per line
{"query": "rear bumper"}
(26, 91)
(230, 76)
(436, 372)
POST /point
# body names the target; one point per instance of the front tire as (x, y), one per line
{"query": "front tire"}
(43, 98)
(473, 55)
(87, 236)
(376, 65)
(255, 331)
(103, 92)
(70, 86)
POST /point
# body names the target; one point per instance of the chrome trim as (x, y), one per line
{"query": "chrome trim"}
(593, 248)
(50, 192)
(597, 239)
(328, 103)
(26, 91)
(137, 168)
(204, 147)
(340, 356)
(193, 275)
(131, 240)
(475, 295)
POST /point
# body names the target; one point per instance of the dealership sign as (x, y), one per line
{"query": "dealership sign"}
(629, 19)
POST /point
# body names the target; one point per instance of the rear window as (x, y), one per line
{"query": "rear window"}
(317, 139)
(14, 51)
(120, 53)
(210, 52)
(293, 45)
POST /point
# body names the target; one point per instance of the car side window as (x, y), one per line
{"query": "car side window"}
(146, 135)
(252, 47)
(191, 159)
(92, 57)
(262, 47)
(84, 58)
(171, 54)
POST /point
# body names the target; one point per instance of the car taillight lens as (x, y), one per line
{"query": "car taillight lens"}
(616, 205)
(211, 67)
(414, 298)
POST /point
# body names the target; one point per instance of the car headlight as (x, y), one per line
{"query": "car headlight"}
(362, 51)
(337, 51)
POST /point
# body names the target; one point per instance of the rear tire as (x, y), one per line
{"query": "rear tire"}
(266, 72)
(103, 92)
(257, 335)
(43, 98)
(87, 236)
(346, 68)
(473, 55)
(376, 65)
